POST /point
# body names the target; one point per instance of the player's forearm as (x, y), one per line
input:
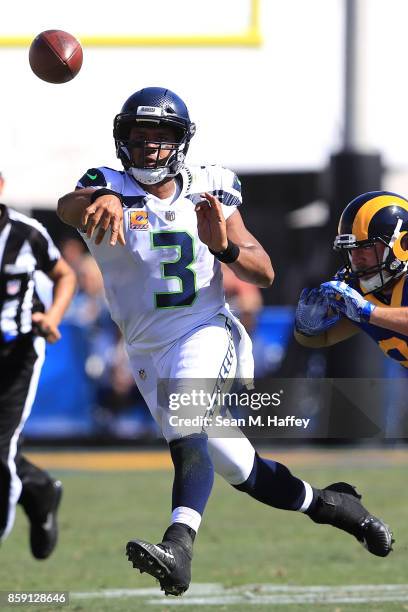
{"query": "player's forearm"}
(342, 330)
(395, 319)
(72, 205)
(319, 341)
(254, 266)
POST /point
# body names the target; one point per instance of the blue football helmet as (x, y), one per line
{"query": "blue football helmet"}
(153, 106)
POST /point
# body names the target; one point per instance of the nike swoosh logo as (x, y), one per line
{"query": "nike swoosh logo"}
(92, 176)
(48, 523)
(168, 555)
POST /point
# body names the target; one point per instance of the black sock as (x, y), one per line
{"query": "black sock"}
(272, 483)
(193, 472)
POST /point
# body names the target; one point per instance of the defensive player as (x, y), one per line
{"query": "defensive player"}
(25, 326)
(371, 291)
(164, 287)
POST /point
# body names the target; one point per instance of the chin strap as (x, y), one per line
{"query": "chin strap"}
(396, 233)
(369, 285)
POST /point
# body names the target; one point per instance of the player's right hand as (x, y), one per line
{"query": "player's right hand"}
(104, 214)
(348, 301)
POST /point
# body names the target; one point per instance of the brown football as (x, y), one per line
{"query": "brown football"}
(55, 56)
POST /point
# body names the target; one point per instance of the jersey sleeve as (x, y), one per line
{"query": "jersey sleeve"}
(219, 182)
(96, 178)
(43, 248)
(230, 193)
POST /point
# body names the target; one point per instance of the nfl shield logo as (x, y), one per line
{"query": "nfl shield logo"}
(13, 287)
(170, 215)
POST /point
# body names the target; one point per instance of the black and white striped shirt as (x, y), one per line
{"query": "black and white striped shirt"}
(25, 246)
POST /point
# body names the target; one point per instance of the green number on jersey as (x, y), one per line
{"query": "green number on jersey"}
(180, 269)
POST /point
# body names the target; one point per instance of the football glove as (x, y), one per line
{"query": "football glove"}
(313, 316)
(347, 301)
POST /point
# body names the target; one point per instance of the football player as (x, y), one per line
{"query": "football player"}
(370, 292)
(158, 230)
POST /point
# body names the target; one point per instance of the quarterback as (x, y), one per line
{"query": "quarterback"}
(370, 293)
(159, 230)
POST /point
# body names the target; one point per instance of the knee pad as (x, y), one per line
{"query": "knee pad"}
(233, 458)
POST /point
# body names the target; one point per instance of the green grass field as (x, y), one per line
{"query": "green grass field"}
(241, 542)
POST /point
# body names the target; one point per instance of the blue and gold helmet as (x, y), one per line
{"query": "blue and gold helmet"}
(375, 217)
(155, 106)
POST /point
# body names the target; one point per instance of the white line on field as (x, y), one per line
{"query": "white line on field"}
(215, 594)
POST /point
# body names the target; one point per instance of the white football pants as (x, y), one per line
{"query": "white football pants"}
(208, 353)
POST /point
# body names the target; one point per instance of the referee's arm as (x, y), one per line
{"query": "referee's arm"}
(64, 281)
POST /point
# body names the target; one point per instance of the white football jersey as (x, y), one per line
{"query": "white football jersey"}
(164, 282)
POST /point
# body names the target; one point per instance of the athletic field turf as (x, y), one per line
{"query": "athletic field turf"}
(247, 556)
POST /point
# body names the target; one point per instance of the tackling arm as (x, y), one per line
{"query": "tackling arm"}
(394, 319)
(355, 307)
(342, 330)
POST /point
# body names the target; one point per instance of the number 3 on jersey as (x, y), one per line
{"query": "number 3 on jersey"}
(178, 269)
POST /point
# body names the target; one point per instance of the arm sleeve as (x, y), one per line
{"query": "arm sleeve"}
(43, 248)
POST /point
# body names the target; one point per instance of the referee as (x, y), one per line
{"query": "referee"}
(25, 326)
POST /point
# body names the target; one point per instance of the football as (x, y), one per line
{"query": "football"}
(55, 56)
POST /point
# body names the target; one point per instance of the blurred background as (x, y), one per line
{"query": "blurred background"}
(306, 101)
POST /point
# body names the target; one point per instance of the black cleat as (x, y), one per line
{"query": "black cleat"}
(44, 532)
(169, 561)
(339, 505)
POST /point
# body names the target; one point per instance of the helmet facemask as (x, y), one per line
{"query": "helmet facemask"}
(158, 167)
(387, 268)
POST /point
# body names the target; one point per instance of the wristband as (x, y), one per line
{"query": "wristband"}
(229, 255)
(101, 192)
(367, 311)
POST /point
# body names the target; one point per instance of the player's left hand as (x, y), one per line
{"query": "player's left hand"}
(347, 301)
(313, 313)
(44, 325)
(211, 224)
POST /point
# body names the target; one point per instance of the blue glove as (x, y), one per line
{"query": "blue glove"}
(312, 313)
(347, 301)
